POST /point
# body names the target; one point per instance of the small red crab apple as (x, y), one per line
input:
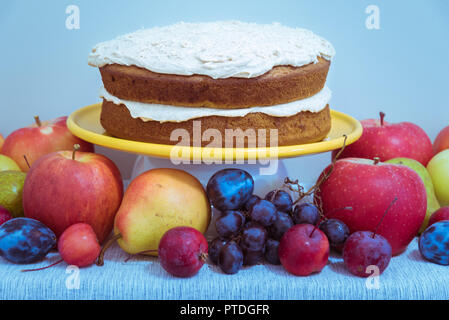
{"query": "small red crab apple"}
(363, 249)
(78, 245)
(183, 251)
(303, 250)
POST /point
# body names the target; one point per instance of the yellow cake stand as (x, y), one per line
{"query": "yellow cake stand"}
(85, 123)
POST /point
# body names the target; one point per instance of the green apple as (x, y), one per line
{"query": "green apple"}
(438, 168)
(6, 163)
(432, 202)
(11, 187)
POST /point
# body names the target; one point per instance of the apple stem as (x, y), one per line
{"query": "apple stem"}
(100, 260)
(381, 219)
(38, 121)
(76, 147)
(141, 252)
(147, 251)
(43, 268)
(382, 117)
(376, 160)
(26, 160)
(316, 226)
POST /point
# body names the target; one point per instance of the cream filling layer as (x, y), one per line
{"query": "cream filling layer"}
(168, 113)
(217, 49)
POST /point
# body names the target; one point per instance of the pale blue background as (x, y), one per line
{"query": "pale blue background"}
(401, 69)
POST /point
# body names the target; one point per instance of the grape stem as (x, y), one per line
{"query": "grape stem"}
(317, 185)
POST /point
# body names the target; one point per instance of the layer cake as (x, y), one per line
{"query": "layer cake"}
(226, 75)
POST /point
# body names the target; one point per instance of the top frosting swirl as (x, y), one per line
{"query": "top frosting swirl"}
(216, 49)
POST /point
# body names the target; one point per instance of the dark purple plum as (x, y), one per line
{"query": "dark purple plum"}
(229, 224)
(271, 252)
(336, 231)
(214, 249)
(281, 199)
(230, 258)
(263, 212)
(306, 213)
(25, 240)
(230, 189)
(282, 223)
(434, 243)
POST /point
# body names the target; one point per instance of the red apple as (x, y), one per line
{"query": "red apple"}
(439, 215)
(369, 188)
(64, 188)
(39, 139)
(390, 140)
(441, 141)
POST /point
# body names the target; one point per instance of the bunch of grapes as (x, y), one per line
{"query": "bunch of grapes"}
(250, 228)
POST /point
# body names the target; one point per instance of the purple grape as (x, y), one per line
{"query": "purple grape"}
(263, 212)
(336, 231)
(282, 223)
(271, 252)
(281, 199)
(252, 200)
(306, 213)
(251, 258)
(229, 224)
(253, 237)
(214, 249)
(230, 258)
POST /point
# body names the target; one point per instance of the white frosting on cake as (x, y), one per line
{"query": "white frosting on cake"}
(168, 113)
(216, 49)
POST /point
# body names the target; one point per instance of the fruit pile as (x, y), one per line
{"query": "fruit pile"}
(372, 200)
(278, 230)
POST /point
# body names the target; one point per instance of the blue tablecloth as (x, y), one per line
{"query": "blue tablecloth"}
(407, 277)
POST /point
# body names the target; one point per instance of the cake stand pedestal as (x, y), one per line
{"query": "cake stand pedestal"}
(262, 183)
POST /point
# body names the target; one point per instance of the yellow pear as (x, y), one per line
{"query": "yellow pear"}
(432, 202)
(11, 189)
(154, 202)
(6, 163)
